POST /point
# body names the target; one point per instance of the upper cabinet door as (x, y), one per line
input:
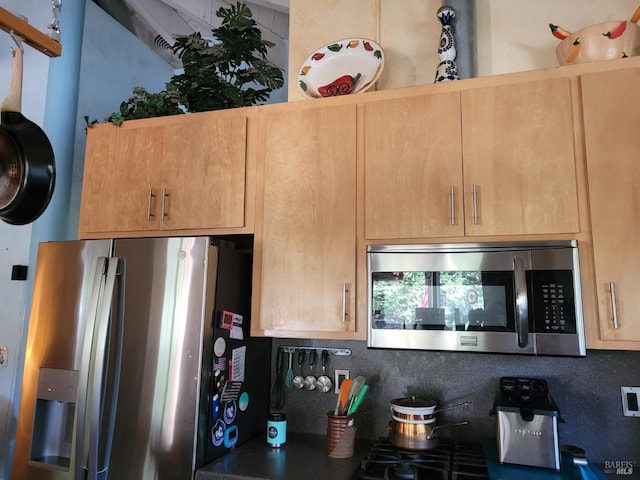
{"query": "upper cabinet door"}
(183, 172)
(122, 166)
(204, 170)
(611, 102)
(306, 232)
(519, 159)
(413, 167)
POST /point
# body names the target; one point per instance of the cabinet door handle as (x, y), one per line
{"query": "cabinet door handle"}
(452, 203)
(474, 195)
(346, 287)
(163, 211)
(149, 203)
(614, 305)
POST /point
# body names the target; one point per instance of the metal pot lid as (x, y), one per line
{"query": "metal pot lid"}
(11, 171)
(414, 406)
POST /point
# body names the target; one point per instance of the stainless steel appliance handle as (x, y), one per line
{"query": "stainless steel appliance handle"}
(522, 302)
(452, 203)
(163, 211)
(474, 196)
(614, 305)
(91, 314)
(345, 302)
(150, 203)
(117, 327)
(99, 452)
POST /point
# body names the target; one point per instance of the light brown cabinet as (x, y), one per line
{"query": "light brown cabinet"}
(611, 120)
(496, 160)
(305, 240)
(413, 167)
(519, 157)
(185, 172)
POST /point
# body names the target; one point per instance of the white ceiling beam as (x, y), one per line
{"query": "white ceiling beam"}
(267, 13)
(160, 18)
(278, 5)
(197, 9)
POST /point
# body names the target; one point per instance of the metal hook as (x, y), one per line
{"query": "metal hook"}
(54, 25)
(17, 39)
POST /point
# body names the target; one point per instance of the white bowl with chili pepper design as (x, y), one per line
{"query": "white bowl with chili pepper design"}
(603, 41)
(344, 67)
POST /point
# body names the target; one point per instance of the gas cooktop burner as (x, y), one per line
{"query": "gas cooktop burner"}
(447, 462)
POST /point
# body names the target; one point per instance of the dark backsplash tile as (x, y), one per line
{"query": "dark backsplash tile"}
(587, 391)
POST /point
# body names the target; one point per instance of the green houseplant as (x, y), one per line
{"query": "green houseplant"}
(231, 72)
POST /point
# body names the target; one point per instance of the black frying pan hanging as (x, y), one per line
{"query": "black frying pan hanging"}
(27, 166)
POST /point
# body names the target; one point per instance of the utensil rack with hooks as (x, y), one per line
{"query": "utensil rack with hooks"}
(332, 351)
(33, 37)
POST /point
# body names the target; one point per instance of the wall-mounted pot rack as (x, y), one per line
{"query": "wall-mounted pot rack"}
(332, 351)
(33, 37)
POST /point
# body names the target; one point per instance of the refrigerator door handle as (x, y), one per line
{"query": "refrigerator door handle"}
(117, 324)
(85, 366)
(99, 452)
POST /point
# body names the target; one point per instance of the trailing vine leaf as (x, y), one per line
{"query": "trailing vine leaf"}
(143, 104)
(88, 123)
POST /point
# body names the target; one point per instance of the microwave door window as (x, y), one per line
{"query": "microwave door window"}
(418, 300)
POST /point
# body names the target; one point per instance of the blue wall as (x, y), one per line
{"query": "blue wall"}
(100, 64)
(14, 240)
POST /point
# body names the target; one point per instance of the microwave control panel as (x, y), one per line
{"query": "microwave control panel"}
(553, 301)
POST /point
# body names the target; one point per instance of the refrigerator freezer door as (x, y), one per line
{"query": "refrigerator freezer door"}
(156, 415)
(54, 372)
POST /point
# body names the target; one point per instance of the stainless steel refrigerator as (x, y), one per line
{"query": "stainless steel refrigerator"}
(138, 363)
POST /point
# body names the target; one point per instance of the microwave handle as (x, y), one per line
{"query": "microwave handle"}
(522, 302)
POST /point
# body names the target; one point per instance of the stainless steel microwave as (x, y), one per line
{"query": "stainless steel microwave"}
(521, 298)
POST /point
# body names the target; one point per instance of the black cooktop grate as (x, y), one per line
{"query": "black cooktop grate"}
(447, 462)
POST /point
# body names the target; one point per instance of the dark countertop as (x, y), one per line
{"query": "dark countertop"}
(304, 457)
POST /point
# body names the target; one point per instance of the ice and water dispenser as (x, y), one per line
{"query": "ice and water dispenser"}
(52, 436)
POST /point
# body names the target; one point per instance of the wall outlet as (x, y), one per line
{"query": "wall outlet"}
(630, 401)
(340, 376)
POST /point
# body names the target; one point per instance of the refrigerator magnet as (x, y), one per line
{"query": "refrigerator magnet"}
(219, 346)
(243, 402)
(238, 363)
(217, 433)
(215, 406)
(232, 322)
(230, 391)
(231, 436)
(236, 333)
(226, 320)
(219, 364)
(229, 412)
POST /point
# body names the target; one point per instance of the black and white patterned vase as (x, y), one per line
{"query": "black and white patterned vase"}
(447, 68)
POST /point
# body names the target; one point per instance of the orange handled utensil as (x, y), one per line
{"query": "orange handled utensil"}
(345, 386)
